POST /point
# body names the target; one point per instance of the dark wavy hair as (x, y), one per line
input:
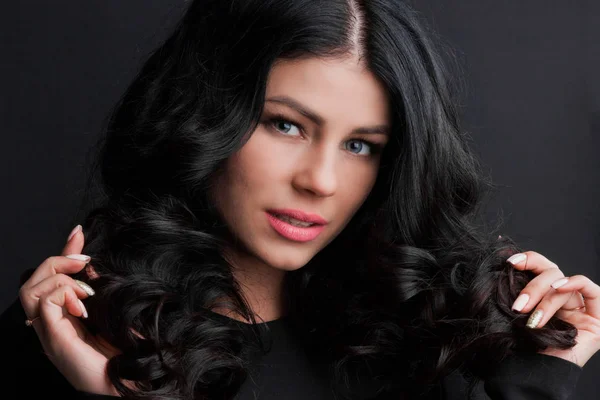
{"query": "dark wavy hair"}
(414, 288)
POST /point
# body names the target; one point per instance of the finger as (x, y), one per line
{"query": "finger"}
(536, 289)
(91, 272)
(585, 286)
(53, 265)
(547, 307)
(54, 304)
(583, 321)
(575, 302)
(30, 297)
(531, 261)
(75, 242)
(74, 245)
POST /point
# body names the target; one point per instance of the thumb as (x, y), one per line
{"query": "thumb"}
(75, 242)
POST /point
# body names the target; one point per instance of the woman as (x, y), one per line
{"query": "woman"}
(289, 210)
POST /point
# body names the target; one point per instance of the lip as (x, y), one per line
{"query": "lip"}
(300, 215)
(294, 233)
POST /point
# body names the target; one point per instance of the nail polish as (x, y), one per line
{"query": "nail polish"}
(83, 310)
(74, 232)
(86, 288)
(79, 257)
(517, 258)
(535, 319)
(520, 302)
(560, 282)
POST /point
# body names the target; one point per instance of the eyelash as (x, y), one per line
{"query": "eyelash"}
(272, 121)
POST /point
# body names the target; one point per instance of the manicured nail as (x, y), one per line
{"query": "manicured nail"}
(86, 288)
(520, 302)
(517, 258)
(85, 314)
(79, 257)
(560, 282)
(535, 319)
(74, 232)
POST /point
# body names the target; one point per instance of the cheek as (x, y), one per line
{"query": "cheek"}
(356, 187)
(251, 173)
(230, 186)
(262, 163)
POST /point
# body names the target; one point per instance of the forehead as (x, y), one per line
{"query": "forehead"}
(337, 88)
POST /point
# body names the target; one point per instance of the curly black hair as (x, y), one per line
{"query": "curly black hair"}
(415, 287)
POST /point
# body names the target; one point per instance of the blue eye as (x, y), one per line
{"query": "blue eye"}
(285, 127)
(358, 147)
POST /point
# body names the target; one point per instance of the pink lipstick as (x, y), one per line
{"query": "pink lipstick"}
(296, 225)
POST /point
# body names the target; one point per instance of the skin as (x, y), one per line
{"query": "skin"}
(296, 163)
(315, 172)
(566, 302)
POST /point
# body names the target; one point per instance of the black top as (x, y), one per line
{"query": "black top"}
(283, 373)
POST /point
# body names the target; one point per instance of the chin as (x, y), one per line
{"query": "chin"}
(287, 265)
(286, 261)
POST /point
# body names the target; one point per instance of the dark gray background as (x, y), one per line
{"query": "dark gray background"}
(531, 101)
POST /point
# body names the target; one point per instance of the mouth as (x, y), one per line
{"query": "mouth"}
(293, 221)
(295, 225)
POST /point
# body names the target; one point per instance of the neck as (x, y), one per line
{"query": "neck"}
(261, 286)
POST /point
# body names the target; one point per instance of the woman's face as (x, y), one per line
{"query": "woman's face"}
(309, 165)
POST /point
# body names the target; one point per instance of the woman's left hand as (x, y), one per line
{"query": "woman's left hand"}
(551, 293)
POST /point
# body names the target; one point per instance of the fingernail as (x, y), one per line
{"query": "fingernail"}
(517, 258)
(535, 319)
(85, 314)
(79, 257)
(520, 302)
(73, 232)
(86, 288)
(560, 282)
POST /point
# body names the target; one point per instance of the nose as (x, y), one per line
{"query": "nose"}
(316, 173)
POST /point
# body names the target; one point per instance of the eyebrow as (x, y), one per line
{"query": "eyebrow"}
(317, 119)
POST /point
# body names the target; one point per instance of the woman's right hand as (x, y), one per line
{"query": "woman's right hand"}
(51, 298)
